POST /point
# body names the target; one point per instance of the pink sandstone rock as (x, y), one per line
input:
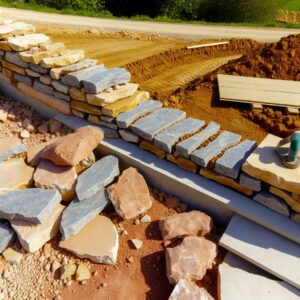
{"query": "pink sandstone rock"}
(130, 195)
(193, 223)
(190, 260)
(50, 176)
(73, 148)
(186, 290)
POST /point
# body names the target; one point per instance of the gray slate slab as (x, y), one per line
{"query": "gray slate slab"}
(14, 58)
(7, 235)
(61, 96)
(74, 79)
(80, 213)
(129, 136)
(46, 89)
(24, 79)
(186, 147)
(273, 202)
(30, 205)
(167, 138)
(94, 179)
(250, 182)
(225, 140)
(20, 148)
(101, 81)
(84, 64)
(149, 126)
(38, 68)
(232, 160)
(124, 120)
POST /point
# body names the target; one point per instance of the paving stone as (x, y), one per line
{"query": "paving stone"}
(60, 87)
(10, 146)
(232, 160)
(80, 213)
(32, 73)
(225, 140)
(157, 121)
(114, 109)
(186, 290)
(287, 197)
(75, 79)
(125, 119)
(13, 67)
(99, 82)
(68, 57)
(11, 256)
(86, 108)
(27, 41)
(130, 195)
(14, 205)
(129, 136)
(86, 243)
(273, 202)
(225, 181)
(149, 146)
(24, 79)
(37, 85)
(14, 58)
(264, 164)
(50, 176)
(168, 138)
(101, 174)
(186, 147)
(190, 260)
(77, 94)
(33, 237)
(183, 163)
(17, 28)
(107, 97)
(57, 73)
(193, 223)
(22, 175)
(61, 96)
(38, 68)
(7, 236)
(250, 182)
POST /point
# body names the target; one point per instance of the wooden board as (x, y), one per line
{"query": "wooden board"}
(263, 248)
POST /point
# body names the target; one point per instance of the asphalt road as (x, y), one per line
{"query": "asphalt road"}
(186, 31)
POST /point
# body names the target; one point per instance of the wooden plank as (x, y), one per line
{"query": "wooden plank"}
(207, 45)
(264, 248)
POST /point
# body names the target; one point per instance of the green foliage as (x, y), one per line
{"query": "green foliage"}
(292, 5)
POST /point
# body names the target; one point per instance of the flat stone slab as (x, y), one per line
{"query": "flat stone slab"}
(231, 162)
(24, 79)
(10, 146)
(250, 182)
(101, 81)
(263, 248)
(75, 79)
(33, 237)
(129, 136)
(149, 126)
(168, 138)
(14, 58)
(7, 235)
(125, 119)
(46, 89)
(239, 279)
(27, 41)
(80, 213)
(38, 68)
(97, 241)
(94, 179)
(225, 140)
(186, 147)
(15, 205)
(273, 202)
(264, 164)
(17, 28)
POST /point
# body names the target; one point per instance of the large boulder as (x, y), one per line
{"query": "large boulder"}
(73, 148)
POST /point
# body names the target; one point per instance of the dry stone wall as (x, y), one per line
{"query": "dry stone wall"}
(74, 85)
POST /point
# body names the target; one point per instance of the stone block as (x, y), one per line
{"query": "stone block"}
(7, 236)
(94, 119)
(149, 146)
(183, 163)
(250, 182)
(61, 96)
(17, 28)
(86, 108)
(13, 67)
(108, 125)
(14, 58)
(101, 81)
(225, 181)
(77, 94)
(287, 197)
(60, 87)
(46, 79)
(38, 68)
(68, 57)
(14, 205)
(231, 162)
(10, 146)
(110, 96)
(264, 164)
(80, 213)
(167, 139)
(186, 147)
(75, 79)
(27, 41)
(108, 119)
(5, 46)
(79, 114)
(273, 202)
(32, 73)
(46, 89)
(94, 179)
(224, 141)
(114, 109)
(129, 136)
(24, 79)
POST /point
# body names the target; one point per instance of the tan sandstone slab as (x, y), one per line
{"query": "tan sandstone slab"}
(183, 163)
(86, 108)
(97, 241)
(287, 197)
(13, 67)
(27, 41)
(50, 176)
(149, 146)
(77, 94)
(68, 57)
(264, 164)
(33, 237)
(194, 223)
(190, 260)
(130, 195)
(21, 175)
(5, 46)
(15, 29)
